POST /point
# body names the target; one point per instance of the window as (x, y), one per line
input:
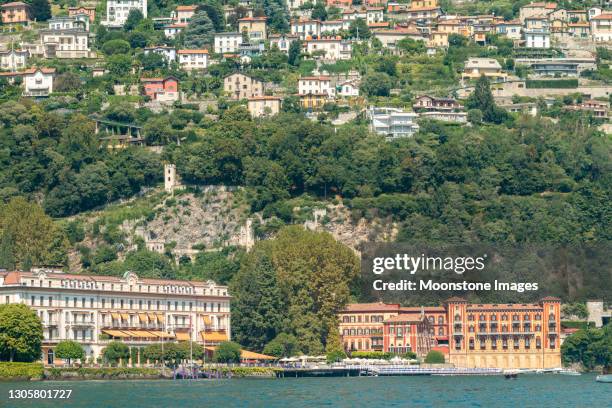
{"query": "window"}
(121, 303)
(33, 300)
(91, 303)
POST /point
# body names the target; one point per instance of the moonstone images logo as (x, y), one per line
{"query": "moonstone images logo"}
(416, 273)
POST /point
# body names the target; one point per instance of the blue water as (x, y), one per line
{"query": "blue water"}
(526, 391)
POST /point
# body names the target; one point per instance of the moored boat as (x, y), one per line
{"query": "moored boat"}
(604, 378)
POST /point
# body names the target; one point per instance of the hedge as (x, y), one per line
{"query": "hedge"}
(108, 372)
(552, 83)
(379, 355)
(19, 371)
(577, 324)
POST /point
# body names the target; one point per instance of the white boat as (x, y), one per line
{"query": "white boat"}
(604, 378)
(569, 372)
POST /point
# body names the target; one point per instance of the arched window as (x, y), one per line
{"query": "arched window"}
(441, 331)
(440, 320)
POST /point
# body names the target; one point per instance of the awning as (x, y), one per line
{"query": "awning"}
(160, 318)
(181, 336)
(152, 317)
(158, 333)
(213, 336)
(116, 316)
(115, 333)
(251, 355)
(143, 317)
(142, 333)
(206, 320)
(125, 316)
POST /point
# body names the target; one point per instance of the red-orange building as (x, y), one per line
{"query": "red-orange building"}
(89, 11)
(15, 12)
(470, 335)
(165, 89)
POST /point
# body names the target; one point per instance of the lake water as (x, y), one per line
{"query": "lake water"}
(526, 391)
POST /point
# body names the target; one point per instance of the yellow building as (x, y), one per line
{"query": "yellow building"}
(253, 27)
(505, 335)
(313, 101)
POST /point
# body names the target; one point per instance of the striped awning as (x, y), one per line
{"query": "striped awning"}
(125, 316)
(143, 317)
(206, 320)
(214, 336)
(116, 316)
(160, 318)
(182, 336)
(116, 333)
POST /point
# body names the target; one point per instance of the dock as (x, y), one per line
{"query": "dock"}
(375, 371)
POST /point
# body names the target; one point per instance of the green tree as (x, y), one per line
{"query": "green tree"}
(199, 31)
(7, 259)
(319, 11)
(257, 303)
(434, 357)
(591, 348)
(575, 309)
(295, 52)
(333, 349)
(283, 345)
(358, 29)
(116, 351)
(376, 84)
(21, 333)
(227, 352)
(119, 64)
(411, 46)
(153, 61)
(69, 350)
(482, 99)
(133, 19)
(33, 234)
(117, 46)
(40, 9)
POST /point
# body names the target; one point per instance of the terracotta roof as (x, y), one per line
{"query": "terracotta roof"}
(202, 51)
(177, 25)
(316, 78)
(253, 19)
(418, 309)
(550, 299)
(15, 4)
(403, 318)
(456, 299)
(12, 278)
(372, 307)
(186, 8)
(265, 98)
(423, 8)
(379, 24)
(607, 16)
(541, 5)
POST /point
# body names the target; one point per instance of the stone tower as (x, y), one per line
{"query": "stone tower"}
(171, 178)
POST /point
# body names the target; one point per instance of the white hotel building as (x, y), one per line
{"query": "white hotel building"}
(93, 310)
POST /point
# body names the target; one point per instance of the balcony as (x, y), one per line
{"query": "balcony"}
(80, 323)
